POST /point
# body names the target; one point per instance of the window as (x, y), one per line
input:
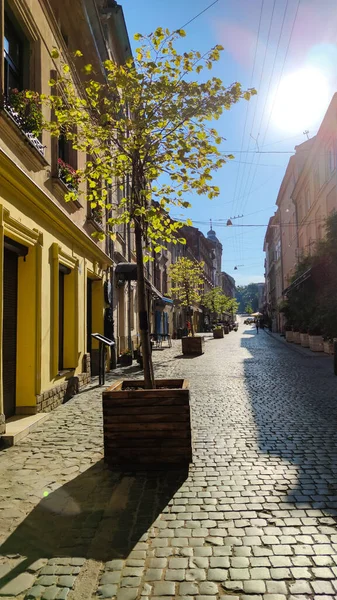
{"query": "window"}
(331, 201)
(331, 162)
(13, 57)
(317, 184)
(307, 200)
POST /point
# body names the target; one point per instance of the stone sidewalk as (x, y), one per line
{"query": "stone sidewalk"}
(253, 519)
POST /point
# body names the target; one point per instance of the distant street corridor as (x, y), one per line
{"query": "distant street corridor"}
(255, 518)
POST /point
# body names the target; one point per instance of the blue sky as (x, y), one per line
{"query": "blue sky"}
(293, 43)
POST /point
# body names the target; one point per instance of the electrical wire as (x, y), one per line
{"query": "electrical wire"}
(198, 15)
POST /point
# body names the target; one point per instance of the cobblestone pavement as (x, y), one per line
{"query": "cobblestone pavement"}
(253, 519)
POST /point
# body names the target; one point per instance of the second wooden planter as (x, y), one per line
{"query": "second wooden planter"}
(147, 428)
(289, 336)
(304, 338)
(193, 345)
(218, 333)
(296, 337)
(316, 343)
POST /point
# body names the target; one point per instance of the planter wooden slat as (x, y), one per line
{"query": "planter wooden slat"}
(145, 428)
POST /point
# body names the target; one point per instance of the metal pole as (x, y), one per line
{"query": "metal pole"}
(335, 357)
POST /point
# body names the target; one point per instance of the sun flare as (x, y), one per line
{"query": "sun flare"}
(301, 101)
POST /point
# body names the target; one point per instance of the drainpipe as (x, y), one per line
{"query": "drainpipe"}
(128, 241)
(111, 274)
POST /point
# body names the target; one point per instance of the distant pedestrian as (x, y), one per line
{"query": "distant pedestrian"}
(257, 323)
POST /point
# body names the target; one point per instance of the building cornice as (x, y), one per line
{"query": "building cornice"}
(32, 195)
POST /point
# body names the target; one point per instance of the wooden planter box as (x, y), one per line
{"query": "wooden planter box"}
(193, 345)
(328, 347)
(226, 329)
(296, 337)
(125, 360)
(147, 429)
(304, 337)
(316, 343)
(218, 333)
(289, 336)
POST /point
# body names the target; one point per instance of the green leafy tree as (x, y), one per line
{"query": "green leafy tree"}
(233, 306)
(186, 275)
(248, 294)
(216, 301)
(248, 308)
(148, 121)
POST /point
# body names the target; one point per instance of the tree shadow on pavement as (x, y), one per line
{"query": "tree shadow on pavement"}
(293, 401)
(100, 515)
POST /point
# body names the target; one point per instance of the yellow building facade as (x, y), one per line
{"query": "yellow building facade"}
(52, 271)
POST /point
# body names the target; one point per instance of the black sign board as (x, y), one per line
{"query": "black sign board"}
(103, 341)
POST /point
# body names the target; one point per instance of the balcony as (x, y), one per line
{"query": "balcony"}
(25, 113)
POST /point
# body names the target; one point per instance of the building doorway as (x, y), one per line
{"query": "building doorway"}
(10, 319)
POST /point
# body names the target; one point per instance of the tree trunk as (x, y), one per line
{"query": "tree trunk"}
(143, 312)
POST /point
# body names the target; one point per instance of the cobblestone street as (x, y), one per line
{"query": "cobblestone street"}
(254, 519)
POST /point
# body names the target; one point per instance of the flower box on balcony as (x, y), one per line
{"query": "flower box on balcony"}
(67, 174)
(23, 109)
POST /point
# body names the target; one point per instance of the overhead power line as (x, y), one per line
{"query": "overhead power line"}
(198, 15)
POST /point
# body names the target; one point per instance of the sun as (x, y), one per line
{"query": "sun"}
(301, 100)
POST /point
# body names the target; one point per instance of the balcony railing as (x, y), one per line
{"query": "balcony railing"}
(24, 112)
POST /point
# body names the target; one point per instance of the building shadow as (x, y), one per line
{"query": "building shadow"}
(294, 407)
(99, 515)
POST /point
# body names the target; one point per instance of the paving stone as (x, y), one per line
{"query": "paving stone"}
(322, 587)
(300, 587)
(47, 580)
(219, 562)
(63, 594)
(130, 581)
(37, 565)
(208, 588)
(301, 573)
(153, 574)
(161, 588)
(195, 575)
(110, 577)
(175, 574)
(35, 592)
(114, 565)
(50, 593)
(107, 591)
(276, 587)
(127, 594)
(239, 574)
(66, 581)
(259, 573)
(217, 574)
(188, 589)
(254, 587)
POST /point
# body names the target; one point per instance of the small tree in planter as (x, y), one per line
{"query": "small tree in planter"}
(147, 118)
(216, 301)
(186, 276)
